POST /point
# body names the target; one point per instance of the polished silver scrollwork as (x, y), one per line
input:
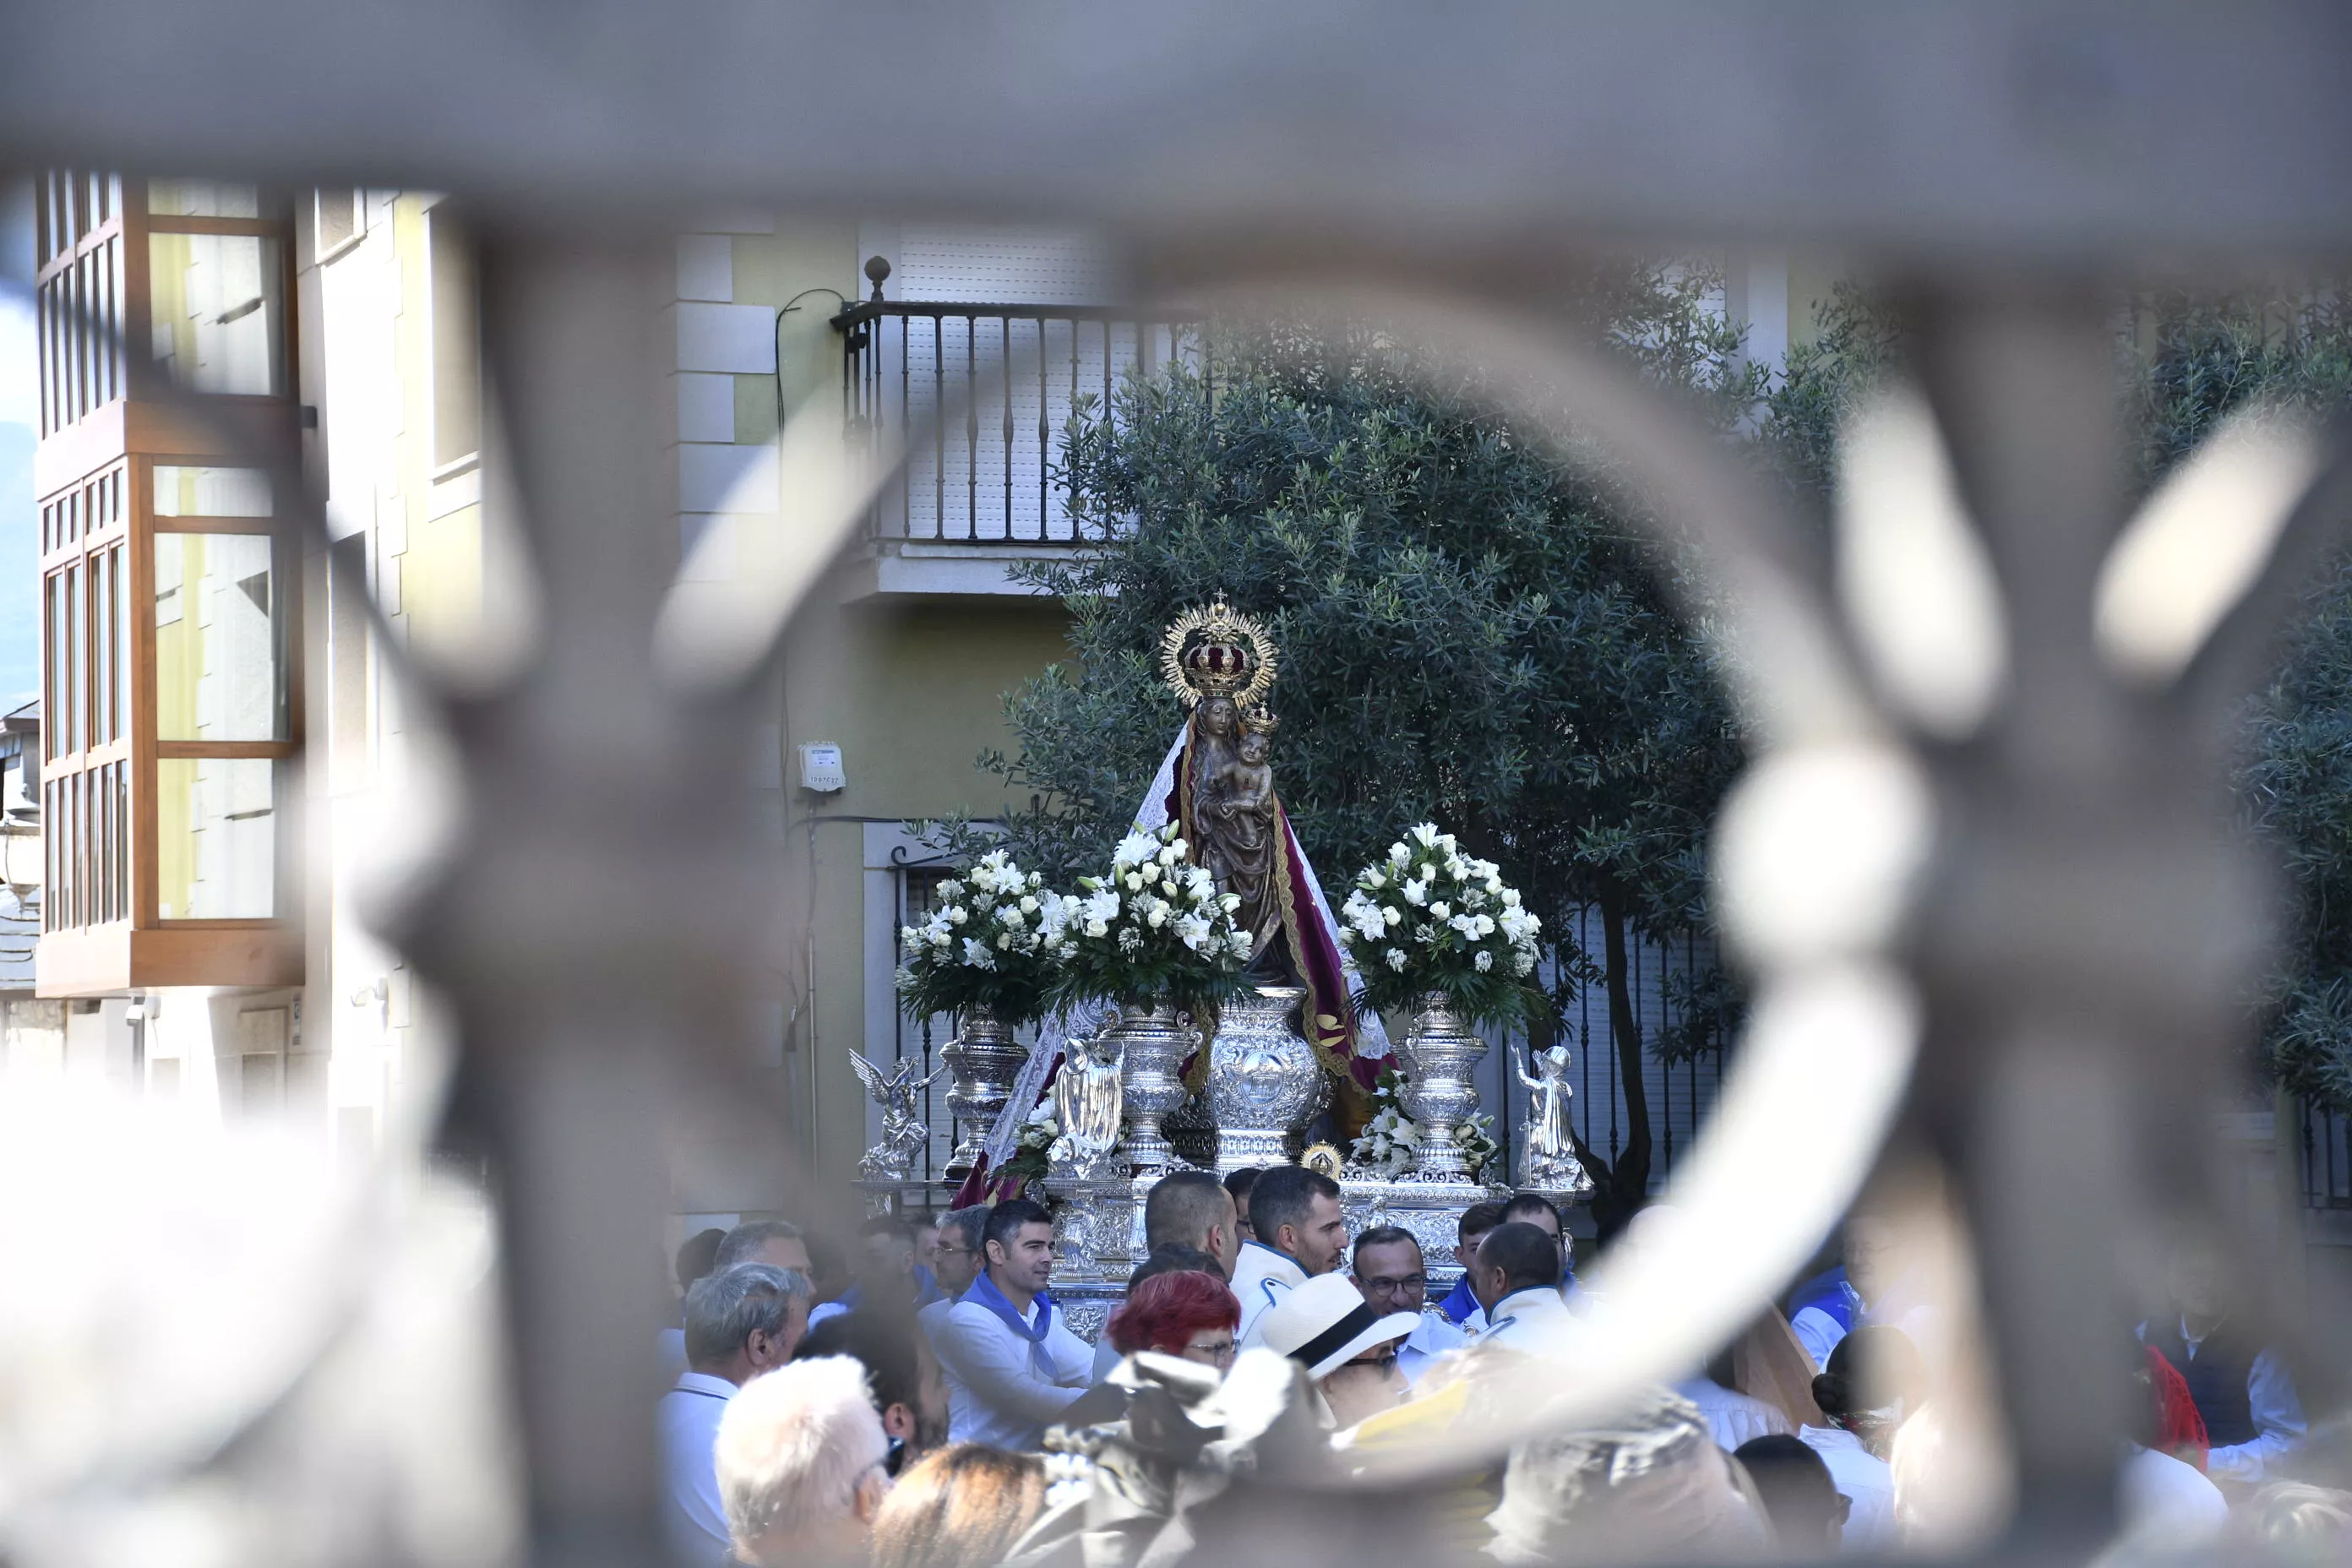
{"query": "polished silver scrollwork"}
(1440, 1054)
(984, 1056)
(1264, 1080)
(1155, 1045)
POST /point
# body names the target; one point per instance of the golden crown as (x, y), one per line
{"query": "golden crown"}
(1217, 652)
(1260, 720)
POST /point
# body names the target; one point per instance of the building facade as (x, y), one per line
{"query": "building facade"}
(228, 764)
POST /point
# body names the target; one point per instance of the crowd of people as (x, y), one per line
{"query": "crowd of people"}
(892, 1401)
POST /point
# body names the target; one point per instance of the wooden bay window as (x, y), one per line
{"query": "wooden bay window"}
(169, 595)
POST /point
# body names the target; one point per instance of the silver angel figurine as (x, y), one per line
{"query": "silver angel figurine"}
(1089, 1099)
(1547, 1161)
(904, 1130)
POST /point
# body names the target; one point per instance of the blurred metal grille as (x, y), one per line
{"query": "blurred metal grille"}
(2080, 938)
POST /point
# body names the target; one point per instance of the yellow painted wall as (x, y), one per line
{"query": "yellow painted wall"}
(912, 693)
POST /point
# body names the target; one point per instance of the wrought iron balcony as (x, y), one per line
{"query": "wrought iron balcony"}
(980, 394)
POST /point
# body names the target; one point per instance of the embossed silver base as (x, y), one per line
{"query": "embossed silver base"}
(984, 1059)
(1095, 1224)
(1086, 1304)
(1153, 1048)
(899, 1196)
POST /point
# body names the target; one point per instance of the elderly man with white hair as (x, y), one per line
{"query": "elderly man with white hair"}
(739, 1322)
(801, 1459)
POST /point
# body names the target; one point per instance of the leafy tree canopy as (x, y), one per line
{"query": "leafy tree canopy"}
(1471, 634)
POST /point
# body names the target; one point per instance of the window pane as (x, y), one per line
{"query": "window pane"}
(182, 492)
(119, 575)
(59, 713)
(77, 662)
(219, 311)
(62, 709)
(216, 841)
(101, 649)
(219, 639)
(202, 198)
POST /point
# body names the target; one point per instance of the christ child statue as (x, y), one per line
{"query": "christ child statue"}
(1244, 821)
(1245, 793)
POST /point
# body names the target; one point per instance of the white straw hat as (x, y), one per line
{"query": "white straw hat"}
(1325, 1323)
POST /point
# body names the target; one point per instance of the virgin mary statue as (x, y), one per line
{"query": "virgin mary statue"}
(1218, 785)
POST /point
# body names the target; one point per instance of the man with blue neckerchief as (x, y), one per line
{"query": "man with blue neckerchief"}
(1013, 1366)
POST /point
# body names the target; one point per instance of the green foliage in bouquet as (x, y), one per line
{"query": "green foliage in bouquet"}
(995, 939)
(1430, 918)
(1156, 929)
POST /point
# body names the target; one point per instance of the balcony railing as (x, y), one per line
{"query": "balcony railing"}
(980, 394)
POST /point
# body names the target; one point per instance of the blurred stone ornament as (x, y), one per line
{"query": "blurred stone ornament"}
(904, 1130)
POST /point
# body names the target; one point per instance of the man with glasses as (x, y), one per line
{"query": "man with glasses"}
(1390, 1274)
(960, 1261)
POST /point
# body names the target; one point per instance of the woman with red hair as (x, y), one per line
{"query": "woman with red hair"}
(1184, 1314)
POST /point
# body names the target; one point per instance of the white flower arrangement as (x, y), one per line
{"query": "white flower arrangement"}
(1155, 928)
(1385, 1147)
(994, 940)
(1429, 917)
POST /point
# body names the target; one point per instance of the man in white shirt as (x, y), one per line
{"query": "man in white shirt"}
(1535, 1209)
(2253, 1416)
(1297, 1232)
(800, 1467)
(1864, 1480)
(1390, 1274)
(739, 1322)
(1733, 1417)
(773, 1242)
(1516, 1277)
(1192, 1208)
(961, 1258)
(886, 1271)
(1878, 1285)
(1013, 1366)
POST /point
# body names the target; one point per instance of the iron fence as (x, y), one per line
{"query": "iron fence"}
(2065, 983)
(2326, 1157)
(981, 393)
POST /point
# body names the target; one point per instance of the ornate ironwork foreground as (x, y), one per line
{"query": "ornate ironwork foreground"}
(2033, 897)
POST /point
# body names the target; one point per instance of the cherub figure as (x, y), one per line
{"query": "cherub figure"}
(1547, 1161)
(904, 1130)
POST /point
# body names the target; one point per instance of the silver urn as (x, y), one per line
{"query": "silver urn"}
(982, 1059)
(1155, 1045)
(1264, 1082)
(1440, 1054)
